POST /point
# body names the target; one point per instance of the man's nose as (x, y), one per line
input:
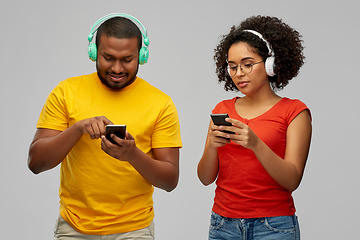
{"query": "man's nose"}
(117, 67)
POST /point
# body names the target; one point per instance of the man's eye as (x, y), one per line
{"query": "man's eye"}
(128, 60)
(108, 58)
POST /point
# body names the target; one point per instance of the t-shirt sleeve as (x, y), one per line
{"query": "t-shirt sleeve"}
(167, 128)
(53, 114)
(216, 108)
(223, 106)
(296, 107)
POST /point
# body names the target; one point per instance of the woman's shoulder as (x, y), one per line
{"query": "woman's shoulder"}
(292, 107)
(292, 102)
(225, 104)
(228, 101)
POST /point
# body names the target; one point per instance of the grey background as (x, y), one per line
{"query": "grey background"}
(44, 42)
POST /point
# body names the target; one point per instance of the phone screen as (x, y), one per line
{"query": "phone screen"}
(118, 130)
(219, 119)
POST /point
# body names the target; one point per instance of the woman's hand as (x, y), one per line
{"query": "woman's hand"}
(243, 136)
(216, 137)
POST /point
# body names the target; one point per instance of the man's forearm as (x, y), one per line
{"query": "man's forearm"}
(50, 147)
(160, 173)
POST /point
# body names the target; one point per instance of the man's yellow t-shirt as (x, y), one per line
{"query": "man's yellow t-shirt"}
(100, 195)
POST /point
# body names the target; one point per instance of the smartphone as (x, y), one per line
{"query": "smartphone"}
(219, 119)
(118, 130)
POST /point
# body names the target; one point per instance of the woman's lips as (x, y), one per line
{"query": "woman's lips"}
(243, 84)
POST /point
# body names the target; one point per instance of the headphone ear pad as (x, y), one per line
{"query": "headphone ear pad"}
(269, 66)
(92, 51)
(143, 55)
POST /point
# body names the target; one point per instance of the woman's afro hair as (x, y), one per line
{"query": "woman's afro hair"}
(285, 42)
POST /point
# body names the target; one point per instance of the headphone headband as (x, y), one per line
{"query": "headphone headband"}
(270, 61)
(92, 49)
(262, 38)
(96, 25)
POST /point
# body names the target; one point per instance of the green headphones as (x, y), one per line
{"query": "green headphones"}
(92, 49)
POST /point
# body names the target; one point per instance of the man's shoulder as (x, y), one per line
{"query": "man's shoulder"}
(77, 79)
(75, 83)
(149, 88)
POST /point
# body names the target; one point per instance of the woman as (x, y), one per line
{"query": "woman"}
(258, 167)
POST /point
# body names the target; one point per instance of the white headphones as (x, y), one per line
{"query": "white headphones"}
(270, 61)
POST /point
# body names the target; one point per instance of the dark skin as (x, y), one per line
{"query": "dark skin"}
(49, 147)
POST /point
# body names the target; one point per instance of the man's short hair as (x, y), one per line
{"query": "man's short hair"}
(119, 27)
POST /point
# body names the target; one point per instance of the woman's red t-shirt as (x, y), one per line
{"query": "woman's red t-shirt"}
(244, 188)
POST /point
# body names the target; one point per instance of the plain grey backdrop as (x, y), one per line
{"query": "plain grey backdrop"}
(44, 42)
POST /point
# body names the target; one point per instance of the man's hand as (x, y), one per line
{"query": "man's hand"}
(95, 126)
(123, 150)
(49, 147)
(162, 171)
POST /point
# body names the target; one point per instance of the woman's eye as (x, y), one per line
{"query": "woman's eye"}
(233, 67)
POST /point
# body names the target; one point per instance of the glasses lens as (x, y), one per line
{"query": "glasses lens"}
(246, 68)
(232, 70)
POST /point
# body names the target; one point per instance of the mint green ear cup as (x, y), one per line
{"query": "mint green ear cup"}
(144, 51)
(143, 55)
(92, 51)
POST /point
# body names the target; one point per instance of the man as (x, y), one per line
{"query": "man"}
(106, 188)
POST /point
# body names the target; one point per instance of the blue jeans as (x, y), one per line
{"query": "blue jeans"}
(266, 228)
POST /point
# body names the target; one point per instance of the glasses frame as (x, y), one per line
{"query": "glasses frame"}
(237, 67)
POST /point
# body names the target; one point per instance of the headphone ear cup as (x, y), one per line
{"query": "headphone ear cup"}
(143, 55)
(269, 66)
(92, 51)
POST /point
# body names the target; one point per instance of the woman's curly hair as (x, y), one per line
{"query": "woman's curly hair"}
(284, 40)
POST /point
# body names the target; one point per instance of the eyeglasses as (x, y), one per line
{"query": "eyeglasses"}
(245, 67)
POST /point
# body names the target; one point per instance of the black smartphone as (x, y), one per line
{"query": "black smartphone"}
(118, 130)
(219, 119)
